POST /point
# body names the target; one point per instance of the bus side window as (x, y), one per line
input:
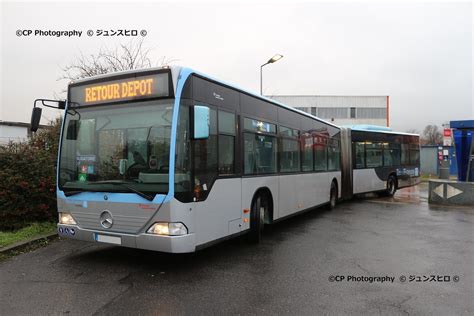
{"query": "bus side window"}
(226, 142)
(333, 154)
(374, 154)
(359, 155)
(405, 155)
(414, 154)
(289, 155)
(289, 150)
(260, 150)
(307, 149)
(320, 153)
(387, 155)
(249, 161)
(395, 153)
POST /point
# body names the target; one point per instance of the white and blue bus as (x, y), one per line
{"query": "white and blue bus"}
(172, 160)
(383, 160)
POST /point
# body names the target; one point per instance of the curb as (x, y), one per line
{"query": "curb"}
(22, 244)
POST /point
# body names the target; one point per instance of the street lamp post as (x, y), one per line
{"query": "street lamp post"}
(270, 61)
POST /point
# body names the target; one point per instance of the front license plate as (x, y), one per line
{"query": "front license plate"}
(108, 239)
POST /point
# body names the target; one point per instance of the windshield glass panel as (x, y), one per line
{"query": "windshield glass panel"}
(105, 147)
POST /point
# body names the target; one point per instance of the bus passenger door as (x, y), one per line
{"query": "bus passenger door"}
(217, 193)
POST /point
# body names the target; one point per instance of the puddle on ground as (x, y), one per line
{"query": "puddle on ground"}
(412, 195)
(415, 194)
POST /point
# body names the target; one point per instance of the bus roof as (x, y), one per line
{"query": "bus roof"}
(367, 127)
(175, 71)
(375, 128)
(262, 97)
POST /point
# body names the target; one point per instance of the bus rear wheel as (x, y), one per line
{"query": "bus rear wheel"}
(257, 218)
(332, 196)
(391, 186)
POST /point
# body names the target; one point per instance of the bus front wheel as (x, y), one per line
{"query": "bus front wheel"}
(257, 218)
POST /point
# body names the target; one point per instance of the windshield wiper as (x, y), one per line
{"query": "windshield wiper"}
(124, 184)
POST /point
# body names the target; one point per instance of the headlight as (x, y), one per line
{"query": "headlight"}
(169, 229)
(66, 218)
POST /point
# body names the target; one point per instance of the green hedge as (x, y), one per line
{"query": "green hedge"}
(28, 180)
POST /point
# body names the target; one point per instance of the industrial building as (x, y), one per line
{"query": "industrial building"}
(341, 110)
(13, 132)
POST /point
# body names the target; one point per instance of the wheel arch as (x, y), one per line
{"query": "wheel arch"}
(267, 193)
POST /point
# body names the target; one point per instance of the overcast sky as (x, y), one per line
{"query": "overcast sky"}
(420, 54)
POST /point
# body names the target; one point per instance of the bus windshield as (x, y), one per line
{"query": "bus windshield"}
(126, 144)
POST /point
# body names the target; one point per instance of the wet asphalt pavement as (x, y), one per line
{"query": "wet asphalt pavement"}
(288, 273)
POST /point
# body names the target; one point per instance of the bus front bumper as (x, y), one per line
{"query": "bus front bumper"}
(171, 244)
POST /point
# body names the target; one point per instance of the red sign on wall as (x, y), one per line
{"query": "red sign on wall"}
(447, 139)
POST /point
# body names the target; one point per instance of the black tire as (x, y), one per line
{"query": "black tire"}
(391, 186)
(257, 218)
(332, 196)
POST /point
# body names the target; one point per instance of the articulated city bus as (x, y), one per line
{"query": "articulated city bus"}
(172, 160)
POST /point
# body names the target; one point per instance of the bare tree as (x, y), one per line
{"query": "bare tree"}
(432, 135)
(133, 55)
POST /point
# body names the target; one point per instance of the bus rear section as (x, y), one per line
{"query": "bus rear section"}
(382, 160)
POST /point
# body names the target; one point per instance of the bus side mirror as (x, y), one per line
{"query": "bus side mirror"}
(35, 119)
(36, 114)
(201, 122)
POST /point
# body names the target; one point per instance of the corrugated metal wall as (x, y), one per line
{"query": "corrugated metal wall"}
(332, 112)
(340, 109)
(429, 160)
(365, 112)
(332, 101)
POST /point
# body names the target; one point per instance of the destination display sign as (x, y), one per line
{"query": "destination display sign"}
(125, 89)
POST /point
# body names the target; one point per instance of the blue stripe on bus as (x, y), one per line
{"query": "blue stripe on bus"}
(113, 197)
(59, 148)
(183, 75)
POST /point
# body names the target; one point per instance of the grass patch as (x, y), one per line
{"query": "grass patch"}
(27, 248)
(31, 231)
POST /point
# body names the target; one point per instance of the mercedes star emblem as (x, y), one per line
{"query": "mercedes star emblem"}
(106, 219)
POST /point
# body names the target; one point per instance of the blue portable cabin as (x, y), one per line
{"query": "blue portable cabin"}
(463, 140)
